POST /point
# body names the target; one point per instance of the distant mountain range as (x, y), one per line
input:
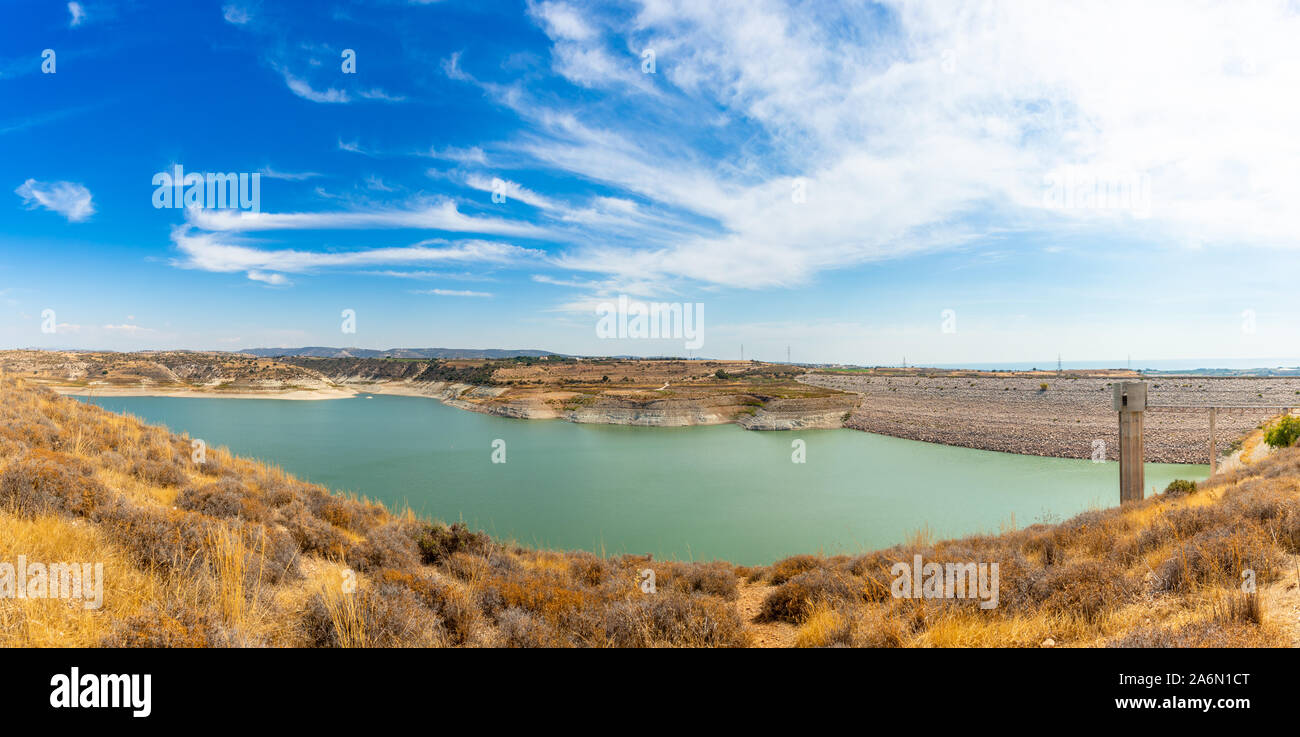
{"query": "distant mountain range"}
(323, 352)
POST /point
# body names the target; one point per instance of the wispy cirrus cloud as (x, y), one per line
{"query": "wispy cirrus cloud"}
(128, 329)
(69, 199)
(301, 88)
(77, 13)
(271, 173)
(374, 93)
(510, 190)
(436, 214)
(452, 292)
(221, 253)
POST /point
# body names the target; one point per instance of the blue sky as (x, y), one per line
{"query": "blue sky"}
(831, 177)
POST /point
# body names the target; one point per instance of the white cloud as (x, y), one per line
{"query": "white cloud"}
(78, 14)
(453, 292)
(472, 155)
(511, 190)
(451, 67)
(377, 183)
(377, 94)
(561, 21)
(300, 88)
(213, 252)
(273, 279)
(69, 199)
(128, 329)
(235, 14)
(438, 214)
(270, 173)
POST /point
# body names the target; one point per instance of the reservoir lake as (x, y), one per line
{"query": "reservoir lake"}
(690, 493)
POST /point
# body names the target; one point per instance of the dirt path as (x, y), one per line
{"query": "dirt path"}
(765, 634)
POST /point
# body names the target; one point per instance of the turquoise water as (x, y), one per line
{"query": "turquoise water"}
(696, 493)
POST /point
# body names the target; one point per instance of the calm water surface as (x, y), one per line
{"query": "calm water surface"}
(690, 493)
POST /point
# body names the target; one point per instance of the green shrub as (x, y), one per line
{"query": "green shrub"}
(437, 542)
(1180, 487)
(1284, 433)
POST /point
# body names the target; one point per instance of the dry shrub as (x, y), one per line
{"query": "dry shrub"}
(388, 546)
(273, 552)
(182, 541)
(1173, 526)
(1085, 589)
(347, 514)
(385, 615)
(784, 570)
(874, 570)
(36, 487)
(588, 569)
(456, 609)
(158, 473)
(1046, 546)
(673, 620)
(714, 579)
(1218, 557)
(547, 596)
(793, 600)
(468, 567)
(518, 628)
(313, 536)
(172, 627)
(437, 542)
(1194, 634)
(226, 498)
(1093, 532)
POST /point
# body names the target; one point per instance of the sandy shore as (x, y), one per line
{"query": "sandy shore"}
(1016, 415)
(121, 391)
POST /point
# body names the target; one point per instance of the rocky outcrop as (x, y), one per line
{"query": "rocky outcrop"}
(800, 414)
